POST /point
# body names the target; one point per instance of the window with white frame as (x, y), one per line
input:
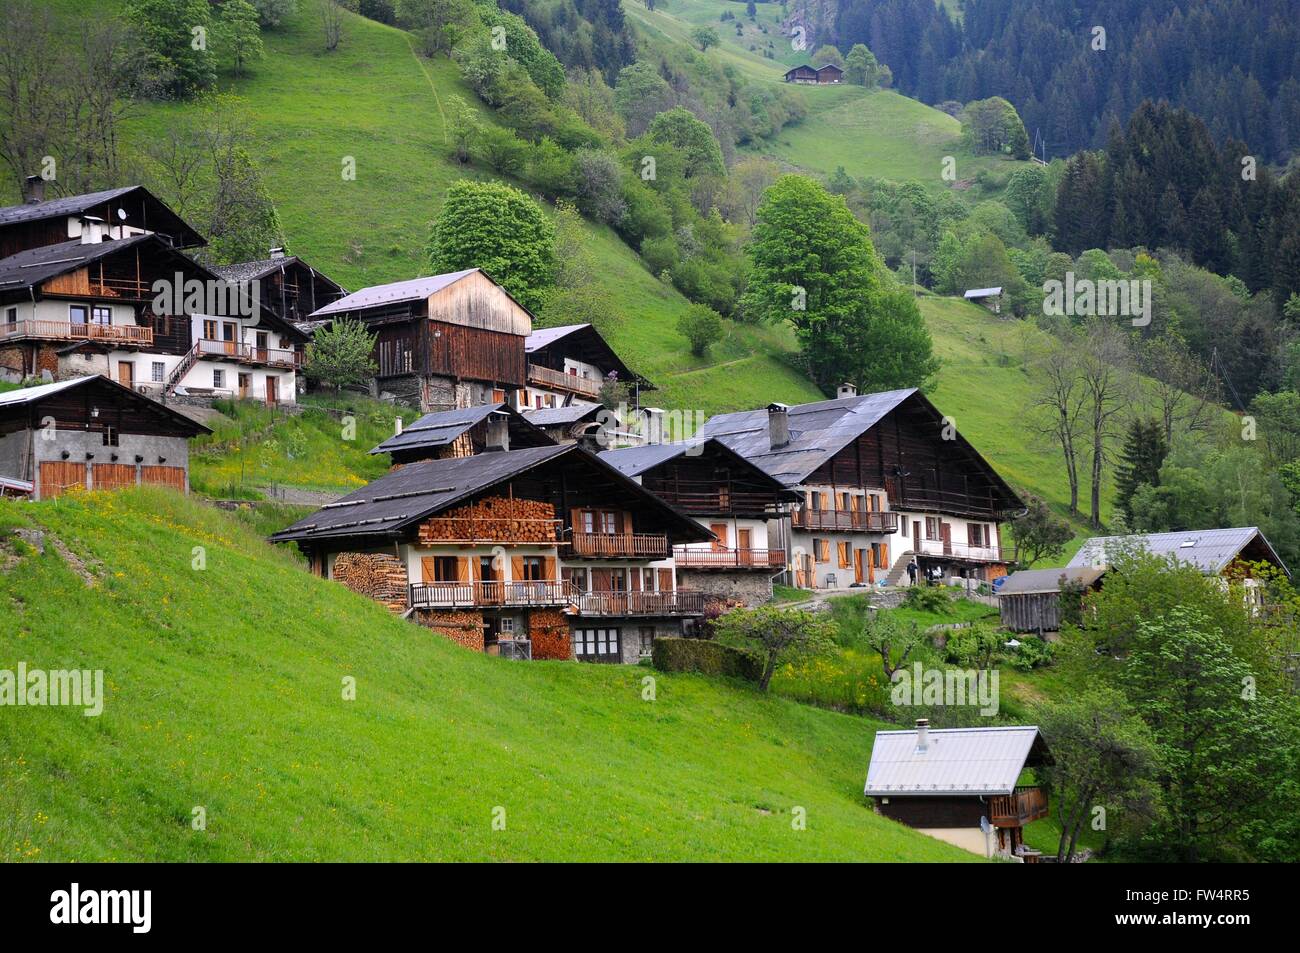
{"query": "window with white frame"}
(158, 371)
(218, 378)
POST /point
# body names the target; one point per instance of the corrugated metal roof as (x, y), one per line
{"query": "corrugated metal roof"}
(544, 336)
(25, 395)
(817, 432)
(956, 761)
(438, 428)
(1028, 581)
(29, 395)
(570, 413)
(1209, 550)
(983, 292)
(413, 289)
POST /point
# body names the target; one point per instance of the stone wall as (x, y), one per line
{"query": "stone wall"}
(750, 588)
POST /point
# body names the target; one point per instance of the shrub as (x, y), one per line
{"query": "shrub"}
(705, 657)
(701, 326)
(927, 599)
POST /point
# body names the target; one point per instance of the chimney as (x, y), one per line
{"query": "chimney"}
(92, 229)
(778, 425)
(33, 190)
(277, 252)
(498, 432)
(846, 390)
(654, 426)
(397, 426)
(922, 735)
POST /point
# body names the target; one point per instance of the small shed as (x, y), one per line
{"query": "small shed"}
(990, 298)
(801, 74)
(1030, 600)
(830, 73)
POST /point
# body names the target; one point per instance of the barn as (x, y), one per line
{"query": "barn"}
(1030, 600)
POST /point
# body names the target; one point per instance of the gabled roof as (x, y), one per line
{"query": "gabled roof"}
(411, 494)
(982, 292)
(570, 413)
(962, 761)
(634, 461)
(584, 343)
(27, 396)
(165, 219)
(1209, 550)
(414, 289)
(253, 270)
(1037, 581)
(35, 265)
(829, 66)
(443, 427)
(818, 431)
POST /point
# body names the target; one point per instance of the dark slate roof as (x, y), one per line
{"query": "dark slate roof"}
(79, 204)
(31, 267)
(586, 339)
(818, 431)
(413, 492)
(26, 396)
(570, 413)
(633, 461)
(418, 490)
(414, 289)
(442, 427)
(1209, 550)
(249, 270)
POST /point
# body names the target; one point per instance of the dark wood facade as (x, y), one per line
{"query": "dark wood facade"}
(716, 482)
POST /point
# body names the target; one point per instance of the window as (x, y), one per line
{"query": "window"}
(597, 645)
(846, 558)
(101, 314)
(209, 330)
(533, 569)
(648, 580)
(608, 521)
(578, 577)
(932, 527)
(444, 569)
(588, 521)
(218, 378)
(78, 313)
(158, 369)
(821, 551)
(618, 580)
(261, 340)
(228, 331)
(11, 316)
(845, 502)
(647, 640)
(507, 625)
(110, 436)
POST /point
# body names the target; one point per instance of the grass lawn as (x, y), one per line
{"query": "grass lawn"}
(224, 692)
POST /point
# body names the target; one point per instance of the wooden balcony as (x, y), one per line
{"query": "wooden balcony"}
(620, 545)
(849, 521)
(985, 554)
(66, 331)
(639, 603)
(247, 353)
(451, 595)
(770, 560)
(1019, 808)
(574, 383)
(717, 500)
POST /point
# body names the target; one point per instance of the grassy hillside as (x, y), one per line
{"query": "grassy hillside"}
(224, 692)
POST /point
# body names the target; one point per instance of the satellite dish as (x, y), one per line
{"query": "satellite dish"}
(121, 213)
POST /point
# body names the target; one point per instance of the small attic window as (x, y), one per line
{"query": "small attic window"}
(1187, 544)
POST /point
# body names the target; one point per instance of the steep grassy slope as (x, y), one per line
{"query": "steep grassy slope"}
(223, 690)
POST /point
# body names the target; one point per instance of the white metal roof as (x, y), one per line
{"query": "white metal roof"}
(956, 761)
(411, 290)
(1209, 550)
(25, 395)
(983, 292)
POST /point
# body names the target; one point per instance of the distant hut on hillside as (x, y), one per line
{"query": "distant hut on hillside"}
(801, 74)
(990, 298)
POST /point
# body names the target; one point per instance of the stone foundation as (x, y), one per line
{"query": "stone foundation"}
(750, 588)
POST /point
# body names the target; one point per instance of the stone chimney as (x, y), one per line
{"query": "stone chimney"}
(277, 252)
(846, 390)
(922, 735)
(33, 190)
(92, 229)
(778, 425)
(498, 432)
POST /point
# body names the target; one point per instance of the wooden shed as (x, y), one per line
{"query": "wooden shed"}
(1030, 600)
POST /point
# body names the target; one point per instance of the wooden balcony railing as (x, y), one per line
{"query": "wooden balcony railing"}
(937, 547)
(856, 521)
(428, 595)
(121, 288)
(1019, 808)
(588, 387)
(621, 545)
(769, 559)
(248, 354)
(717, 500)
(67, 331)
(640, 603)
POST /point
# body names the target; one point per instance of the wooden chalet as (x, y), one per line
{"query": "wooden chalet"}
(445, 341)
(543, 552)
(961, 785)
(571, 363)
(725, 493)
(104, 437)
(289, 286)
(885, 481)
(814, 75)
(462, 433)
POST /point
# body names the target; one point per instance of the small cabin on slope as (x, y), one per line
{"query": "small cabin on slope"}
(961, 785)
(92, 433)
(1031, 600)
(463, 433)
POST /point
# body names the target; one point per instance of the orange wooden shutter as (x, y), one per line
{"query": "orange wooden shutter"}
(548, 568)
(665, 580)
(427, 568)
(634, 576)
(462, 569)
(517, 568)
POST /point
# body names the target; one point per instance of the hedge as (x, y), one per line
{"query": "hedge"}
(705, 657)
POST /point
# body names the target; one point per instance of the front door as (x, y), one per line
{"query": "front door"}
(719, 530)
(126, 374)
(857, 566)
(916, 536)
(744, 543)
(245, 386)
(945, 530)
(272, 389)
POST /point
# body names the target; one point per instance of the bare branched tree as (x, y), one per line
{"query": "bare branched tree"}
(1058, 402)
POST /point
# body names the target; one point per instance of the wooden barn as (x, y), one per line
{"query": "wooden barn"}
(829, 74)
(1031, 600)
(462, 433)
(801, 74)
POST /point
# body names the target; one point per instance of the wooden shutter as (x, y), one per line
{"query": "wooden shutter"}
(634, 579)
(517, 568)
(665, 580)
(462, 569)
(428, 567)
(548, 568)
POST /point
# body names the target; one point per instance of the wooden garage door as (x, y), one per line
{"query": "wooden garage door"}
(59, 476)
(113, 476)
(164, 476)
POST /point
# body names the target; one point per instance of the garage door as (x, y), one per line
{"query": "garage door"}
(113, 476)
(597, 645)
(164, 476)
(58, 476)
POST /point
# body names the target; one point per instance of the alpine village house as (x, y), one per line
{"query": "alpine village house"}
(78, 296)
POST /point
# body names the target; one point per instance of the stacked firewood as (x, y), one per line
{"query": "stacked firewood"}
(548, 629)
(463, 628)
(381, 576)
(497, 518)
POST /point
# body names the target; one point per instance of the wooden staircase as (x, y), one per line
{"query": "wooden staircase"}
(178, 373)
